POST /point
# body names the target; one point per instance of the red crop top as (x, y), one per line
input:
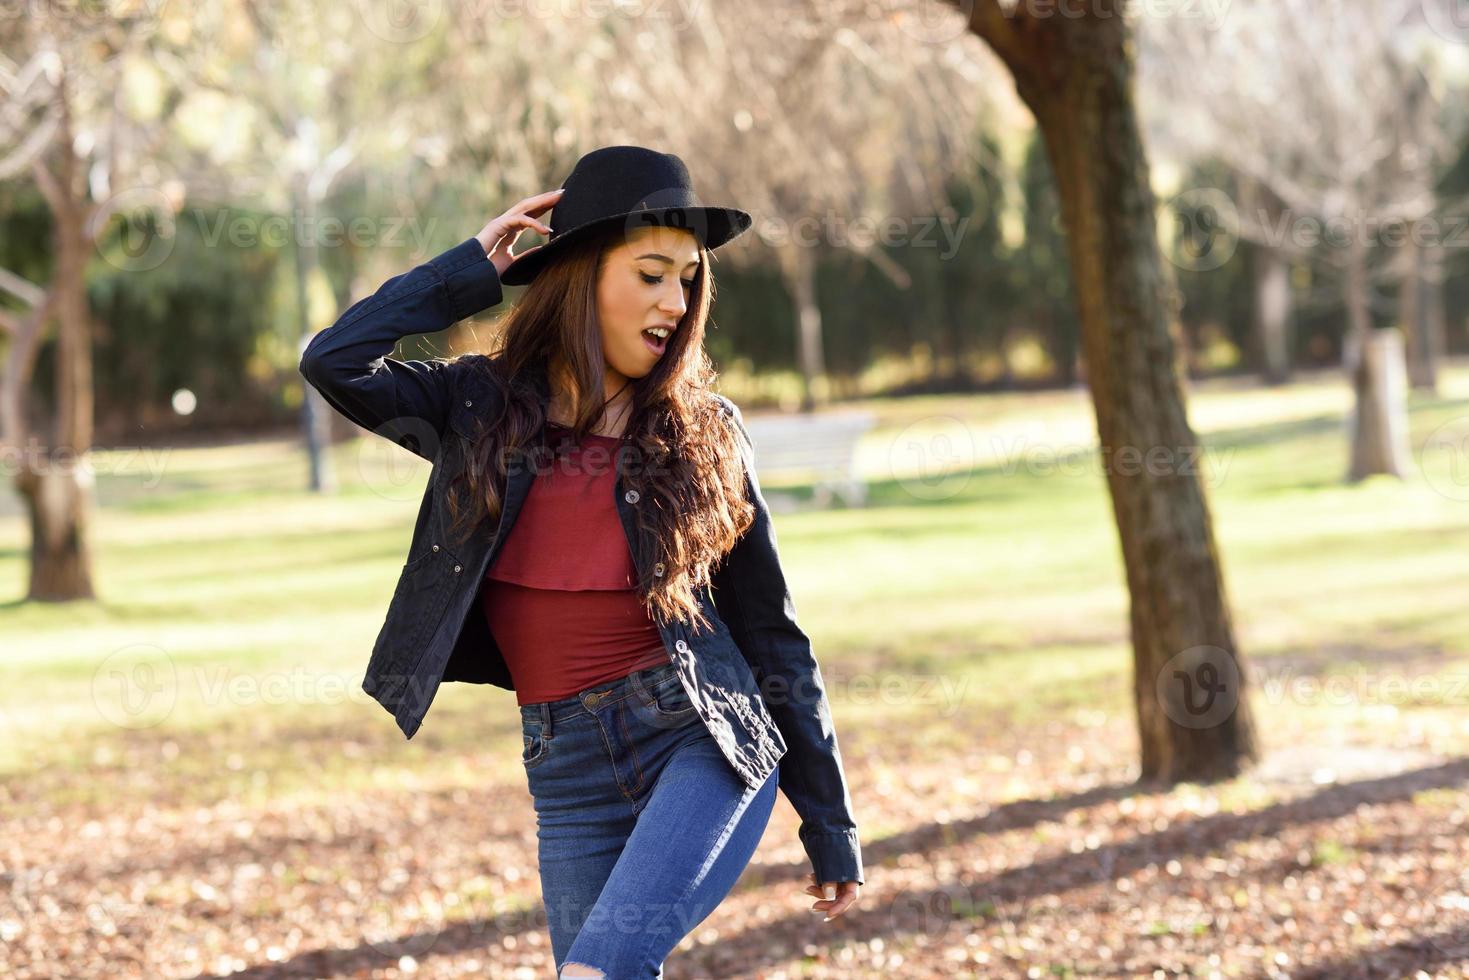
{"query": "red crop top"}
(561, 596)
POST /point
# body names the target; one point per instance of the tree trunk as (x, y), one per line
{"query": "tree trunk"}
(1434, 317)
(1270, 281)
(316, 416)
(1420, 307)
(59, 499)
(799, 267)
(57, 484)
(1272, 315)
(1376, 429)
(1379, 419)
(1076, 75)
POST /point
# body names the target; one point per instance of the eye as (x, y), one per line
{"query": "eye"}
(655, 280)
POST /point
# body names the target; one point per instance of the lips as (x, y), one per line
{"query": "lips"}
(655, 344)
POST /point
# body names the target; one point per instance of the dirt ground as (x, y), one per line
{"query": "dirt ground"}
(993, 850)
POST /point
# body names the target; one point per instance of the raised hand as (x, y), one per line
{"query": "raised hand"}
(497, 237)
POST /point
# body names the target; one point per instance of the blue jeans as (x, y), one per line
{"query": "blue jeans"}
(643, 825)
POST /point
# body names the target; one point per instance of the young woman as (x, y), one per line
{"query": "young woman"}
(621, 559)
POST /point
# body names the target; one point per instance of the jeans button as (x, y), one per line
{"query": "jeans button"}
(632, 496)
(436, 547)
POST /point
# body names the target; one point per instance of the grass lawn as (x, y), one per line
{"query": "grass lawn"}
(205, 713)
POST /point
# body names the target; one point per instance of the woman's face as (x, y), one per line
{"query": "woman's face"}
(644, 284)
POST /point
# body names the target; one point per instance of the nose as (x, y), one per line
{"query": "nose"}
(672, 303)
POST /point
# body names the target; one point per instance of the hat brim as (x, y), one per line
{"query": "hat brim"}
(719, 226)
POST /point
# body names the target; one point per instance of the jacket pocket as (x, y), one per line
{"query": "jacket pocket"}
(424, 588)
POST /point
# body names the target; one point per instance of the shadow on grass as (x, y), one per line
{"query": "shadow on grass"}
(1273, 433)
(769, 944)
(761, 946)
(470, 936)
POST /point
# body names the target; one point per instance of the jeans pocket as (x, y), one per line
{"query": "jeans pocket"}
(668, 703)
(534, 746)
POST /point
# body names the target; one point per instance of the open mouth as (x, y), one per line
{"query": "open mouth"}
(655, 343)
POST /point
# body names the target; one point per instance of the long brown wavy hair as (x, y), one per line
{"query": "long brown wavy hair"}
(678, 450)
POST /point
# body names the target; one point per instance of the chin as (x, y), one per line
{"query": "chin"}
(640, 371)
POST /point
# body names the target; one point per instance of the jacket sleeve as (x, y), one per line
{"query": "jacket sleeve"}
(753, 600)
(404, 401)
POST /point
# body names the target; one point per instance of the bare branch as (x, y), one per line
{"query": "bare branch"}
(1005, 31)
(21, 288)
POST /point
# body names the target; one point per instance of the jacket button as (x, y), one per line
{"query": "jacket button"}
(658, 569)
(456, 568)
(681, 647)
(467, 403)
(436, 547)
(632, 496)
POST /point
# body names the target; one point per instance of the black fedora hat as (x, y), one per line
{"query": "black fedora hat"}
(631, 186)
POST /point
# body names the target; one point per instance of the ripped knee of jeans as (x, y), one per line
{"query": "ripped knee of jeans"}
(570, 970)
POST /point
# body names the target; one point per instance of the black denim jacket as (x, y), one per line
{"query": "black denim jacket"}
(753, 679)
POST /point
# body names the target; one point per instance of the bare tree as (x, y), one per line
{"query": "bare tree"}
(327, 96)
(843, 122)
(1328, 107)
(819, 119)
(1075, 72)
(69, 132)
(92, 154)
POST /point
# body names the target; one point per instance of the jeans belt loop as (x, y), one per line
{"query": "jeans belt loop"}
(545, 719)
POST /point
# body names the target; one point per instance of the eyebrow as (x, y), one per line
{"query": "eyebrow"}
(663, 258)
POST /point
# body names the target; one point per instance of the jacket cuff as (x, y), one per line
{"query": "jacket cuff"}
(470, 278)
(835, 857)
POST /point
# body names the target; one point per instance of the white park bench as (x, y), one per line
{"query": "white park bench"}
(821, 448)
